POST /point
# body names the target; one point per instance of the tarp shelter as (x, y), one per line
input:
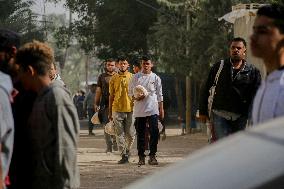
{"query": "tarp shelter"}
(243, 16)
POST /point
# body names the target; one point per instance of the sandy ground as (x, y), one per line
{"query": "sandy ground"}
(101, 171)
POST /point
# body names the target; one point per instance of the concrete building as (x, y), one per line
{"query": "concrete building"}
(243, 16)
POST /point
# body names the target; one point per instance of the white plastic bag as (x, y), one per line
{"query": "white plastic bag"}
(160, 126)
(95, 119)
(109, 128)
(139, 91)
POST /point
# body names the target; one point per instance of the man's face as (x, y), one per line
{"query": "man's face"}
(264, 38)
(136, 69)
(147, 65)
(52, 72)
(237, 50)
(123, 65)
(26, 78)
(110, 66)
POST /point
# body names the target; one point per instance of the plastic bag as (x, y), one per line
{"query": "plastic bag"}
(109, 128)
(95, 119)
(139, 91)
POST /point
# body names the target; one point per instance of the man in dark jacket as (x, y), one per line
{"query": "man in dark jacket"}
(235, 89)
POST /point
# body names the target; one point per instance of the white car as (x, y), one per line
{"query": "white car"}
(250, 159)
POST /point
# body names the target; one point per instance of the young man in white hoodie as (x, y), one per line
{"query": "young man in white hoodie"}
(147, 109)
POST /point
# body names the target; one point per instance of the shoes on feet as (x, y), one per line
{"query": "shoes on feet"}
(91, 134)
(123, 160)
(141, 160)
(109, 150)
(114, 147)
(152, 160)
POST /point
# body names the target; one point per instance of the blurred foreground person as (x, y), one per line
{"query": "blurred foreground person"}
(229, 91)
(268, 31)
(53, 123)
(21, 107)
(6, 126)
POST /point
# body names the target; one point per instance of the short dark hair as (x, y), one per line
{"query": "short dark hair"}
(8, 39)
(145, 58)
(36, 54)
(274, 11)
(122, 58)
(137, 63)
(239, 39)
(109, 60)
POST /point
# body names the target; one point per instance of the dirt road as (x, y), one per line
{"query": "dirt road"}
(101, 171)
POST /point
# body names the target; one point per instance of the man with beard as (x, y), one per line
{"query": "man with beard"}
(22, 105)
(120, 108)
(235, 89)
(102, 101)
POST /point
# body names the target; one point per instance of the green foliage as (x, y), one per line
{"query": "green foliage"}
(169, 38)
(122, 26)
(209, 37)
(112, 27)
(17, 16)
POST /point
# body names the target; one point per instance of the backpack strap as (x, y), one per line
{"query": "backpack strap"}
(218, 73)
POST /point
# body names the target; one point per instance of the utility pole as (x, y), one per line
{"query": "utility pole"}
(44, 19)
(68, 40)
(188, 77)
(87, 70)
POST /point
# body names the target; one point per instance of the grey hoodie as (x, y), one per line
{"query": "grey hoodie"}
(6, 122)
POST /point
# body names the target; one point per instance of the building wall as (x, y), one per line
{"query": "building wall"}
(243, 28)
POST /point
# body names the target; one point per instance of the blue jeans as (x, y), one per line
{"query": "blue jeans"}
(224, 127)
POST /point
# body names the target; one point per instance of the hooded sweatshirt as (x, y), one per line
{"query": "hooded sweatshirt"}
(6, 122)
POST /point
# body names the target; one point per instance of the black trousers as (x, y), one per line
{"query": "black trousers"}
(140, 126)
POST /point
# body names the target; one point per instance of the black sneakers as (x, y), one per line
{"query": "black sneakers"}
(123, 160)
(91, 133)
(114, 147)
(152, 160)
(141, 160)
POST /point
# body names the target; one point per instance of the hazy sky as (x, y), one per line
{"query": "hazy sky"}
(50, 8)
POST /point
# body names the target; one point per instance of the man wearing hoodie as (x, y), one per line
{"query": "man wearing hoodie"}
(53, 123)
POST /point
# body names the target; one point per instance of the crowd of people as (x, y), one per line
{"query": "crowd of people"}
(39, 123)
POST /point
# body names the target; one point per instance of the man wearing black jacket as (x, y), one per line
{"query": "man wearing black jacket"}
(237, 84)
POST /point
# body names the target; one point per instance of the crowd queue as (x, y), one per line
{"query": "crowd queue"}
(39, 121)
